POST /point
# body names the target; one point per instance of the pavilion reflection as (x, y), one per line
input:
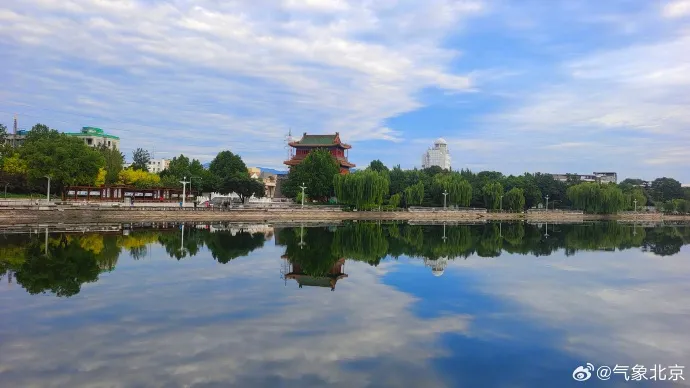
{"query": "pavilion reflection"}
(325, 280)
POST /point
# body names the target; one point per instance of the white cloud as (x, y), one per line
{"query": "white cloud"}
(245, 329)
(612, 307)
(265, 66)
(678, 8)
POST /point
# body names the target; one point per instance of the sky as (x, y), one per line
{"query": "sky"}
(513, 86)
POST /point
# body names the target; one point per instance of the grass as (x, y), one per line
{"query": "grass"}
(22, 196)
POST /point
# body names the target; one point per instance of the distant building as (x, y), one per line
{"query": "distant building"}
(254, 172)
(438, 155)
(607, 177)
(158, 165)
(95, 137)
(332, 143)
(16, 139)
(601, 177)
(269, 180)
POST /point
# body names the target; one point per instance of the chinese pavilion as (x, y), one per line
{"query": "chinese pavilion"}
(309, 143)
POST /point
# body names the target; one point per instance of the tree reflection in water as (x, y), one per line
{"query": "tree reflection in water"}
(61, 263)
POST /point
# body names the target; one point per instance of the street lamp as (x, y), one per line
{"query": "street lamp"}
(633, 201)
(501, 204)
(6, 184)
(184, 189)
(445, 195)
(303, 187)
(547, 202)
(48, 193)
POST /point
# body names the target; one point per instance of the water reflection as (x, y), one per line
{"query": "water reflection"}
(59, 263)
(203, 305)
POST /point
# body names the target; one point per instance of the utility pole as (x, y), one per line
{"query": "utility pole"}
(184, 189)
(445, 195)
(303, 188)
(547, 203)
(48, 193)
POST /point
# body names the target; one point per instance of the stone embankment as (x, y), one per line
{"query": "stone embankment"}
(10, 216)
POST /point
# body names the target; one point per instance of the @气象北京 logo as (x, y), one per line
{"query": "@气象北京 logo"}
(583, 373)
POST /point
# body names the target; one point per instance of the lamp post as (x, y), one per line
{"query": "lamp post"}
(635, 201)
(48, 192)
(501, 204)
(547, 202)
(445, 195)
(184, 191)
(303, 187)
(6, 184)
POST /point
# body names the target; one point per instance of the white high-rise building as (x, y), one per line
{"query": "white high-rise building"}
(437, 156)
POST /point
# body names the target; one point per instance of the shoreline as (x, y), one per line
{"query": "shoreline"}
(104, 215)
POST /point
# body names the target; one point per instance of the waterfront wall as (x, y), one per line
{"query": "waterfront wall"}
(55, 214)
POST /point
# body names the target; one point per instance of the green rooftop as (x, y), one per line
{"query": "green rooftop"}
(92, 131)
(319, 140)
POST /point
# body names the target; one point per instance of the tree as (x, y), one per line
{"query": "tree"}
(3, 134)
(636, 193)
(378, 166)
(138, 178)
(248, 187)
(66, 159)
(362, 189)
(316, 171)
(100, 179)
(459, 190)
(514, 199)
(113, 161)
(597, 198)
(229, 171)
(666, 189)
(414, 195)
(397, 179)
(140, 159)
(492, 195)
(394, 200)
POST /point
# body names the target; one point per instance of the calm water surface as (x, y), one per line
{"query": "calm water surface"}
(354, 305)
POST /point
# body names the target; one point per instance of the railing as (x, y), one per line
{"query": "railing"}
(556, 211)
(440, 209)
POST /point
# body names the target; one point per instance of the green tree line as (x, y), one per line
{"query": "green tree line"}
(68, 161)
(378, 186)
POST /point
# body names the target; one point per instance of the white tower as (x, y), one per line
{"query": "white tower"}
(438, 155)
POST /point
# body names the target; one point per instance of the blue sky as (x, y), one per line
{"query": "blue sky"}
(514, 86)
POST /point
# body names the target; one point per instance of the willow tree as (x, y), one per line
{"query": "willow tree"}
(361, 189)
(459, 190)
(395, 200)
(515, 199)
(635, 198)
(597, 198)
(414, 195)
(492, 195)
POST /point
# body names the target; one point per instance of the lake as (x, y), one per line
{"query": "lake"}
(348, 305)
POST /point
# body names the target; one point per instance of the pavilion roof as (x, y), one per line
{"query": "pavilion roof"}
(319, 140)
